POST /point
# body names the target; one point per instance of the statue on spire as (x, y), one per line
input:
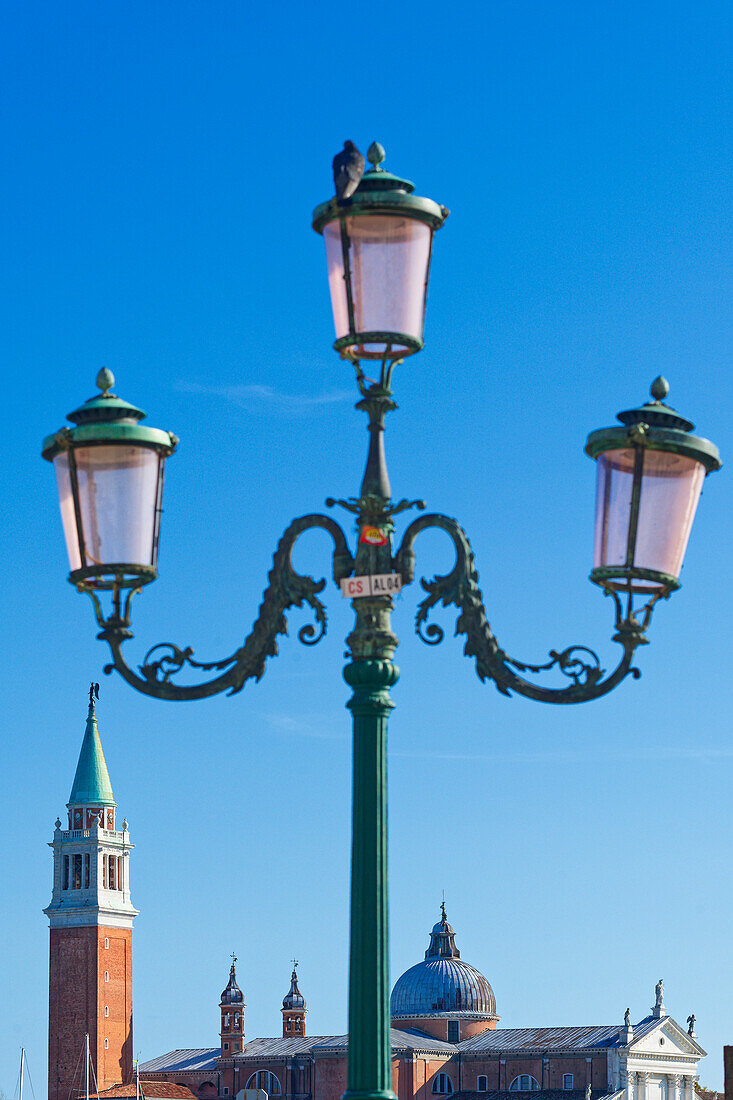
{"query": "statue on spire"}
(93, 692)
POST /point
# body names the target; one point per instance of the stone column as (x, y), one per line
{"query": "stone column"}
(642, 1090)
(628, 1082)
(689, 1089)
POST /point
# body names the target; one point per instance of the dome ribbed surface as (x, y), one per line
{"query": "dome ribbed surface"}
(442, 982)
(442, 985)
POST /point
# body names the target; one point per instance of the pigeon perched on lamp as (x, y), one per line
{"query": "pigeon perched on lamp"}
(348, 168)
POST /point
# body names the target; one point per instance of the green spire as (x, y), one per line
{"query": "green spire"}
(91, 783)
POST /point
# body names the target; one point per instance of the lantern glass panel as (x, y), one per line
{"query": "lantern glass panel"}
(389, 256)
(118, 502)
(670, 489)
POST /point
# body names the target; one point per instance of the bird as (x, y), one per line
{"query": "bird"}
(348, 168)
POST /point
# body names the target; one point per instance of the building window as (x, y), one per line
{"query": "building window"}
(106, 1010)
(442, 1084)
(297, 1023)
(524, 1083)
(567, 1080)
(454, 1031)
(106, 943)
(482, 1083)
(86, 871)
(111, 873)
(226, 1046)
(226, 1091)
(263, 1079)
(106, 1044)
(66, 873)
(287, 1024)
(119, 872)
(76, 873)
(106, 975)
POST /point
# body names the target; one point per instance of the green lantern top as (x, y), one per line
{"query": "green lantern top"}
(91, 785)
(107, 418)
(381, 192)
(658, 427)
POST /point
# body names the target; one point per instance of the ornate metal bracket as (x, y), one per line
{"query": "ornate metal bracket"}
(359, 506)
(460, 588)
(286, 589)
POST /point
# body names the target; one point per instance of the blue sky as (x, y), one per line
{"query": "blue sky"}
(162, 162)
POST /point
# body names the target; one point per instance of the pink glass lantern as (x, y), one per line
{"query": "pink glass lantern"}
(378, 245)
(650, 473)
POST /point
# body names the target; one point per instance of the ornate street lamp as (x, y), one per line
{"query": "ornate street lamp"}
(650, 470)
(109, 471)
(650, 473)
(378, 246)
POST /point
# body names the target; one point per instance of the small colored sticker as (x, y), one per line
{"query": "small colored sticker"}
(374, 536)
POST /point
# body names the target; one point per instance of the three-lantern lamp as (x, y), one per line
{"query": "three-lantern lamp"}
(109, 472)
(650, 474)
(378, 245)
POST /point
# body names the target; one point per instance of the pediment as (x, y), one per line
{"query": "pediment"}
(666, 1038)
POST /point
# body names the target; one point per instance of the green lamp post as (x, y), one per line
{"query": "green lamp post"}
(650, 470)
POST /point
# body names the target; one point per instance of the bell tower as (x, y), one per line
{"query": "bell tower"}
(232, 1008)
(91, 916)
(294, 1010)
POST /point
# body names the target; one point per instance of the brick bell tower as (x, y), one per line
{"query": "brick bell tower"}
(294, 1010)
(91, 915)
(232, 1008)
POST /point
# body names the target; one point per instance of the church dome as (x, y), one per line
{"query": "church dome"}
(442, 983)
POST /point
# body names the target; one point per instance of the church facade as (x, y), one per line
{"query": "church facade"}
(446, 1038)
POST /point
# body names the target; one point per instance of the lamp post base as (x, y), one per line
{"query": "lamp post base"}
(371, 1094)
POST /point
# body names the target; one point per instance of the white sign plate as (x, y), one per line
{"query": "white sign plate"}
(384, 584)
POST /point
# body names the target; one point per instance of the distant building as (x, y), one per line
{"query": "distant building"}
(445, 1038)
(445, 1043)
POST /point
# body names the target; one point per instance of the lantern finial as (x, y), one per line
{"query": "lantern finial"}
(659, 388)
(105, 380)
(375, 156)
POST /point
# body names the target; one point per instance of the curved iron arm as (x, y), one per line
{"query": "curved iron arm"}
(286, 589)
(460, 588)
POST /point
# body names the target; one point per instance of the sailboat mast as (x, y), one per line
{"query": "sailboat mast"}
(22, 1063)
(86, 1066)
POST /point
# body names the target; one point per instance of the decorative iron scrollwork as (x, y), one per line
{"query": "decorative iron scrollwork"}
(460, 589)
(286, 589)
